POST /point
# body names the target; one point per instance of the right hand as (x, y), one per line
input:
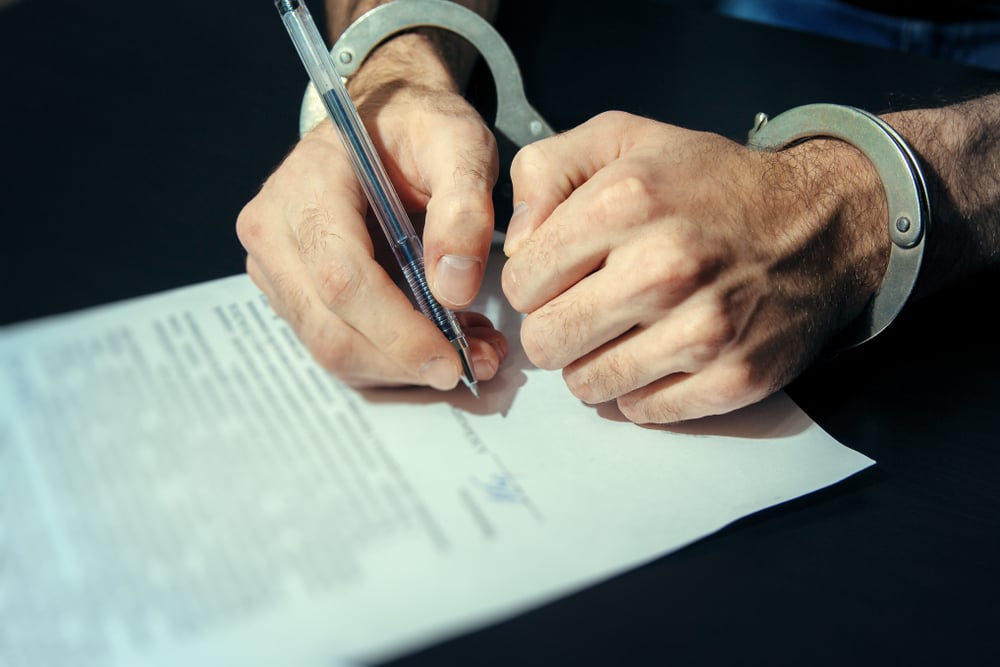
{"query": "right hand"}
(313, 255)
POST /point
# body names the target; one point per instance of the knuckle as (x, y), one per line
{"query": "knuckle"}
(558, 333)
(547, 249)
(403, 346)
(739, 384)
(249, 226)
(536, 343)
(603, 381)
(339, 283)
(611, 117)
(711, 332)
(641, 411)
(625, 195)
(463, 211)
(657, 407)
(734, 386)
(665, 270)
(681, 271)
(324, 337)
(529, 161)
(659, 277)
(579, 381)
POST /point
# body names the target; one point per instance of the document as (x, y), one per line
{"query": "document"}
(181, 484)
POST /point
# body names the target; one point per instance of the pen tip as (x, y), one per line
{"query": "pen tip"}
(468, 374)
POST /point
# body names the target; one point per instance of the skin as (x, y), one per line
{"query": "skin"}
(677, 273)
(695, 290)
(310, 249)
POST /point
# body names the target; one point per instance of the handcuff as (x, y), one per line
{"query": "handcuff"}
(897, 165)
(905, 193)
(515, 119)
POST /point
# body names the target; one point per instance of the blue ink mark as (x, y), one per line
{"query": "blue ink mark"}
(501, 488)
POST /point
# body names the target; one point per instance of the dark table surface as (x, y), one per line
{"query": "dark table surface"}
(131, 135)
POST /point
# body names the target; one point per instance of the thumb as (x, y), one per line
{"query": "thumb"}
(545, 173)
(458, 227)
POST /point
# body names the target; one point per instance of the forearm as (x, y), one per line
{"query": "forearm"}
(431, 57)
(959, 147)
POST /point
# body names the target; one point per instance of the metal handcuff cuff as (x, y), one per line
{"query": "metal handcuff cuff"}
(905, 193)
(516, 119)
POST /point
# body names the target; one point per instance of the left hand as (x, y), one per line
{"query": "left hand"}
(682, 274)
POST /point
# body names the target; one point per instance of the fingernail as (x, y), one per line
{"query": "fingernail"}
(517, 228)
(484, 368)
(439, 373)
(457, 278)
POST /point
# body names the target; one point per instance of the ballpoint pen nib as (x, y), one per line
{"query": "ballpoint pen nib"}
(465, 356)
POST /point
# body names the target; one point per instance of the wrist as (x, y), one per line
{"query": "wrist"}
(393, 76)
(454, 51)
(906, 202)
(854, 212)
(838, 211)
(406, 60)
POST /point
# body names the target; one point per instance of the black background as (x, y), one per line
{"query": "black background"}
(131, 134)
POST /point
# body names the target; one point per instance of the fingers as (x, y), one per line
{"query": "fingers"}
(631, 283)
(682, 367)
(718, 389)
(590, 205)
(545, 173)
(640, 283)
(332, 342)
(687, 339)
(613, 210)
(310, 252)
(329, 305)
(488, 347)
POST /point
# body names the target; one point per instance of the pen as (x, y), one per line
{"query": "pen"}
(371, 173)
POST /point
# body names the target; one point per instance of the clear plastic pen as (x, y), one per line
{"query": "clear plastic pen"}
(372, 174)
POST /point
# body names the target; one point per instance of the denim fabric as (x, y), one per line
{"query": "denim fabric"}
(974, 43)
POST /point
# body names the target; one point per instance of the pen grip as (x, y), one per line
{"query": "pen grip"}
(388, 210)
(441, 316)
(367, 164)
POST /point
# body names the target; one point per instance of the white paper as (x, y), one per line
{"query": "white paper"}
(180, 484)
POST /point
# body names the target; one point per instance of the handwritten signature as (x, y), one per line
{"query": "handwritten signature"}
(501, 488)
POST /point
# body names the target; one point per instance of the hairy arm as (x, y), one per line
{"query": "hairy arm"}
(959, 147)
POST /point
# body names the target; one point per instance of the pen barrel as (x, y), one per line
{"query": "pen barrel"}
(441, 316)
(388, 209)
(371, 173)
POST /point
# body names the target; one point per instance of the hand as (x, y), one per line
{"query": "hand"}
(312, 253)
(680, 273)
